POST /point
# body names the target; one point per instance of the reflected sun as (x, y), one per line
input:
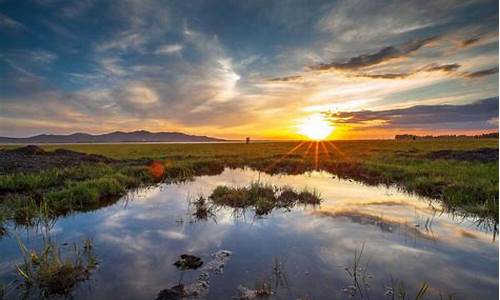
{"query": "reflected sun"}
(316, 127)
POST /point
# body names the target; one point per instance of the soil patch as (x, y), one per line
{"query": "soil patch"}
(33, 158)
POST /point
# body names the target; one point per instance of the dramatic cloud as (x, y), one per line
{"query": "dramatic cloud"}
(427, 116)
(126, 65)
(384, 54)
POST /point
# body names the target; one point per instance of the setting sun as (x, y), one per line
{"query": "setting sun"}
(316, 127)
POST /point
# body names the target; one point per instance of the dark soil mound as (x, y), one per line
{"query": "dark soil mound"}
(33, 158)
(27, 150)
(481, 155)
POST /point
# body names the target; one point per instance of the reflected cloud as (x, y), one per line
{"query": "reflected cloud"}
(382, 222)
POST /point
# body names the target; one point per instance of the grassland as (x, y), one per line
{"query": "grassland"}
(453, 171)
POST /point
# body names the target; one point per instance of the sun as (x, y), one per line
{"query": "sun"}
(316, 127)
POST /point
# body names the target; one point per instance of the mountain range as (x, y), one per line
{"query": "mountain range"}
(113, 137)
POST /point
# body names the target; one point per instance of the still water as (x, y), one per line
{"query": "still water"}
(302, 253)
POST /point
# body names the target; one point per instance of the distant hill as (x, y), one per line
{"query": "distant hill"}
(113, 137)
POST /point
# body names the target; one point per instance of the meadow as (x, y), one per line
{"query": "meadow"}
(461, 173)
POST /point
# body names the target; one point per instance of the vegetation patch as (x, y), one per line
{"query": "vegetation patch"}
(262, 197)
(53, 274)
(463, 174)
(481, 155)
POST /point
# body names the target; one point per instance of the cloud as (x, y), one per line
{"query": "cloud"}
(169, 49)
(470, 41)
(385, 76)
(143, 23)
(384, 54)
(41, 56)
(437, 67)
(7, 22)
(482, 73)
(372, 21)
(448, 68)
(58, 29)
(292, 78)
(112, 66)
(146, 64)
(76, 9)
(123, 41)
(478, 113)
(35, 56)
(139, 94)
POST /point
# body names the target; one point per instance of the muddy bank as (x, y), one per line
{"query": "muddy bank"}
(481, 155)
(33, 158)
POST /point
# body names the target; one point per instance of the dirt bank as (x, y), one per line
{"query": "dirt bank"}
(33, 158)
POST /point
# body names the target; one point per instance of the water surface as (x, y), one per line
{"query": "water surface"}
(406, 239)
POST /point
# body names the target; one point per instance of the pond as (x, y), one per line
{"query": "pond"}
(360, 242)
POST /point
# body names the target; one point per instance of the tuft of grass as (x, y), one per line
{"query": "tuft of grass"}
(53, 274)
(262, 197)
(398, 291)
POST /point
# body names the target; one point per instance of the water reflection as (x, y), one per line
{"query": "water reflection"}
(406, 239)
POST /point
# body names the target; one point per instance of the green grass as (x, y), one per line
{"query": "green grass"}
(53, 274)
(465, 186)
(263, 198)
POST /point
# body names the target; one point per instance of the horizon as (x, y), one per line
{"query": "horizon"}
(266, 70)
(242, 139)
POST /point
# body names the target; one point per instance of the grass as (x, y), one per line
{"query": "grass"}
(51, 273)
(464, 186)
(263, 198)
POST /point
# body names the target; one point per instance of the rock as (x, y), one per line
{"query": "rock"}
(249, 294)
(174, 293)
(216, 265)
(246, 293)
(188, 262)
(199, 288)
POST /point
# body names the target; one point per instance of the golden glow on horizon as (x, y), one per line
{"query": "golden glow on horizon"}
(316, 127)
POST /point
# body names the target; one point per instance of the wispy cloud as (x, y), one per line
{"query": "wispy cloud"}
(9, 23)
(112, 66)
(292, 78)
(382, 55)
(448, 68)
(470, 41)
(169, 49)
(482, 73)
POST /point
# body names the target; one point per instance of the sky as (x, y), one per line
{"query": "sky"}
(233, 69)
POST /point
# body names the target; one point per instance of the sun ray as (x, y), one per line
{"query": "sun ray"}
(307, 151)
(338, 150)
(325, 149)
(275, 162)
(316, 156)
